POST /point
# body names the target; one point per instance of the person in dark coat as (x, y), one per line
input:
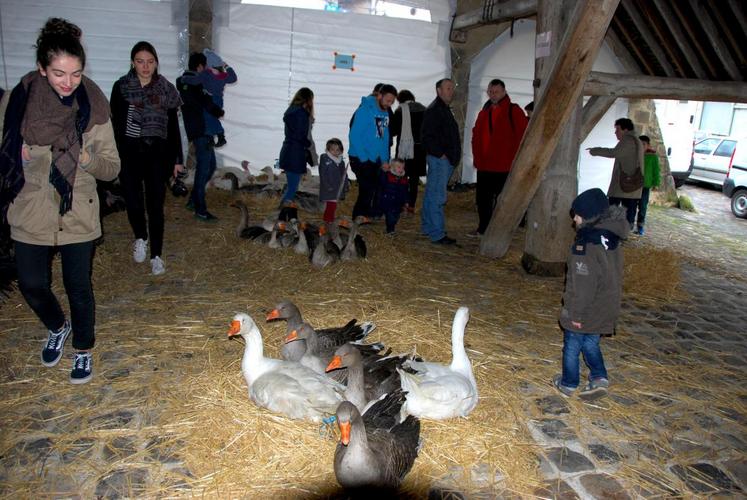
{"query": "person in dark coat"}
(332, 178)
(297, 119)
(406, 125)
(393, 193)
(443, 147)
(197, 103)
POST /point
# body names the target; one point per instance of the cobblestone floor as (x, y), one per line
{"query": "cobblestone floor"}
(585, 450)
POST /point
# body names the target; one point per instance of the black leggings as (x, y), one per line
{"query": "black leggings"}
(143, 177)
(34, 264)
(367, 175)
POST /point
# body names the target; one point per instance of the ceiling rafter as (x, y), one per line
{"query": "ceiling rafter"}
(684, 20)
(679, 37)
(654, 20)
(733, 43)
(722, 51)
(648, 37)
(626, 37)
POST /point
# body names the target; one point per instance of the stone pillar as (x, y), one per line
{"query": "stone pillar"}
(200, 25)
(643, 114)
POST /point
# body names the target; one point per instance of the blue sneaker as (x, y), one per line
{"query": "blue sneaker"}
(565, 391)
(640, 230)
(82, 368)
(52, 351)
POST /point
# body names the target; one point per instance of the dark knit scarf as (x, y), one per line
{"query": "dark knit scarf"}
(37, 116)
(150, 104)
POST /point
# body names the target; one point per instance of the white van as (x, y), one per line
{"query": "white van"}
(711, 159)
(678, 142)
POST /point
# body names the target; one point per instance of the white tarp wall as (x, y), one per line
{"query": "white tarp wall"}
(110, 29)
(277, 50)
(512, 60)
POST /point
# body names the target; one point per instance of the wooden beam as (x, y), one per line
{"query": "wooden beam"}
(737, 12)
(679, 37)
(661, 34)
(648, 37)
(655, 87)
(576, 56)
(641, 59)
(685, 21)
(622, 52)
(594, 109)
(722, 51)
(728, 33)
(495, 13)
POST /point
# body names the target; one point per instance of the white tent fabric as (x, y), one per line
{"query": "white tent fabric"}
(275, 51)
(110, 29)
(512, 60)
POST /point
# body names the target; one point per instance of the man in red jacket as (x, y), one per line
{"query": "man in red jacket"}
(496, 136)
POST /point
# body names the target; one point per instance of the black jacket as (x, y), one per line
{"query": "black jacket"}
(440, 132)
(195, 102)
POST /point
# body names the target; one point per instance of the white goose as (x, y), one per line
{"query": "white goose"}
(438, 391)
(285, 387)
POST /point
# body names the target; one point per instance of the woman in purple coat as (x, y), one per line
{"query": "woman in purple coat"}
(297, 119)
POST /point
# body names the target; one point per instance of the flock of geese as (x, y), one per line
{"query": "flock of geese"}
(377, 398)
(324, 244)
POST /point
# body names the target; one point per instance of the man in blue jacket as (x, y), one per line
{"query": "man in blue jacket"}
(369, 147)
(195, 103)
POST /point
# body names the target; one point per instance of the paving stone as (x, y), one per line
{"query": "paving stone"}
(603, 486)
(625, 401)
(729, 440)
(119, 448)
(122, 483)
(604, 454)
(165, 450)
(553, 405)
(78, 450)
(37, 450)
(684, 445)
(113, 355)
(114, 420)
(557, 490)
(738, 470)
(444, 494)
(655, 453)
(556, 429)
(483, 475)
(704, 478)
(651, 487)
(567, 460)
(117, 373)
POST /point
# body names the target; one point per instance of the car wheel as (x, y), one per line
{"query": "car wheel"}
(739, 203)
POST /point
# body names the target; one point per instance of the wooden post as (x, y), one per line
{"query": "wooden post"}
(548, 230)
(576, 56)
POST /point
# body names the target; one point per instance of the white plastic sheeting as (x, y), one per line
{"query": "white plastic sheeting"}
(512, 60)
(110, 29)
(275, 51)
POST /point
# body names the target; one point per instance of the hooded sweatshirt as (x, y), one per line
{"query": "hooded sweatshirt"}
(369, 133)
(593, 281)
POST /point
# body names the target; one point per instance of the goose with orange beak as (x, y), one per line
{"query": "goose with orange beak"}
(285, 387)
(376, 450)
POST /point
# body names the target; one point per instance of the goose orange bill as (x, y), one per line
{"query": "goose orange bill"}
(274, 314)
(334, 364)
(344, 432)
(235, 328)
(291, 336)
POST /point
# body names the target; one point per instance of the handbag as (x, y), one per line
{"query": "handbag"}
(630, 183)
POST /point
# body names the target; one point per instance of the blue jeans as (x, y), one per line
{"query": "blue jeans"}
(293, 180)
(205, 168)
(432, 220)
(643, 206)
(587, 344)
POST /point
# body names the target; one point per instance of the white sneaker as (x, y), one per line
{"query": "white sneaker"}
(157, 266)
(139, 249)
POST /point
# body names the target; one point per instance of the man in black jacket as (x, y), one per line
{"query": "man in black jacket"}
(443, 147)
(196, 102)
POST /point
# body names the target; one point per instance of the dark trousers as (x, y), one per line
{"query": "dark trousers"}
(489, 186)
(143, 177)
(413, 169)
(204, 170)
(367, 175)
(34, 264)
(391, 217)
(643, 206)
(630, 204)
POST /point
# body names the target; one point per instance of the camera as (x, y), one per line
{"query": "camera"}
(178, 188)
